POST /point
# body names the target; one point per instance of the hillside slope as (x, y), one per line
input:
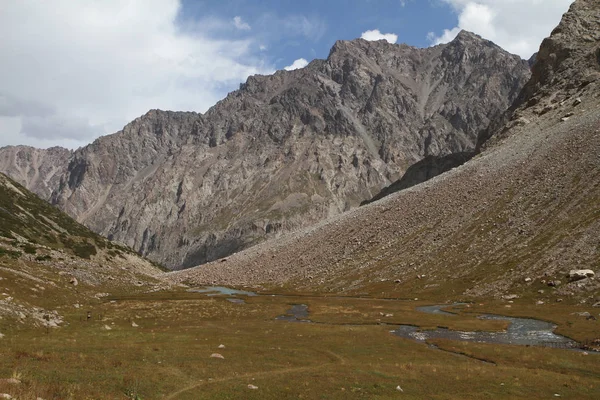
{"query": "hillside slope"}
(49, 262)
(514, 220)
(286, 150)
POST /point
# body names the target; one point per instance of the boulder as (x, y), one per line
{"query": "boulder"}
(579, 274)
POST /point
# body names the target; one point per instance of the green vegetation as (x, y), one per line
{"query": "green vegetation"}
(9, 253)
(29, 249)
(84, 250)
(24, 214)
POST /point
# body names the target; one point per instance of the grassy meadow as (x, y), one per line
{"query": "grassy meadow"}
(159, 346)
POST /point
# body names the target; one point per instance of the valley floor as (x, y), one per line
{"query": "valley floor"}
(159, 346)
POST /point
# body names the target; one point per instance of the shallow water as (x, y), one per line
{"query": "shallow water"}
(438, 309)
(221, 290)
(521, 331)
(298, 313)
(236, 301)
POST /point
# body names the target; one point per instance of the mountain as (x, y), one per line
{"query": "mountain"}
(39, 170)
(285, 151)
(48, 261)
(513, 221)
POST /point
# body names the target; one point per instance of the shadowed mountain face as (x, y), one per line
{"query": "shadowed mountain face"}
(424, 170)
(285, 151)
(514, 220)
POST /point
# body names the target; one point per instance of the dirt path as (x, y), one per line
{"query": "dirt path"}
(339, 360)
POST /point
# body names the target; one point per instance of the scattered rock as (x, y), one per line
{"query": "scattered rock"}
(6, 396)
(74, 281)
(398, 388)
(11, 381)
(541, 291)
(579, 274)
(510, 297)
(578, 101)
(1, 335)
(252, 387)
(594, 305)
(539, 302)
(554, 283)
(527, 280)
(582, 314)
(217, 355)
(133, 324)
(221, 346)
(107, 328)
(397, 281)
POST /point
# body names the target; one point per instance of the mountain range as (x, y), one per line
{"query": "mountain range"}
(514, 220)
(283, 152)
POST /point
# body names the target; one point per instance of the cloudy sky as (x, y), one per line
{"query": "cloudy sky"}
(75, 70)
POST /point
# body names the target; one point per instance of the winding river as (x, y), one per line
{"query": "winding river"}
(521, 331)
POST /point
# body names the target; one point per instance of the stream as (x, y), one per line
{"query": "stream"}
(521, 331)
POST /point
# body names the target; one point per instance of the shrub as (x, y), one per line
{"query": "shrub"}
(84, 250)
(10, 253)
(29, 249)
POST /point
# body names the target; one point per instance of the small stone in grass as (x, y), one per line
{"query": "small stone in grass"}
(217, 355)
(252, 387)
(221, 346)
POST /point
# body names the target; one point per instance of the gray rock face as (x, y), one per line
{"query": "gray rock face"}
(567, 63)
(38, 170)
(287, 150)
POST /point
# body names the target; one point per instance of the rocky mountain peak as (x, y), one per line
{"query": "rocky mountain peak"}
(565, 71)
(570, 58)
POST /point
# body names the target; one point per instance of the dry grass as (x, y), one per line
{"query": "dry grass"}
(349, 355)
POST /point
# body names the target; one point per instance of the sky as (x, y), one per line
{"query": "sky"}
(72, 71)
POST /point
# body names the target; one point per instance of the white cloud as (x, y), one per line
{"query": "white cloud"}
(74, 70)
(299, 63)
(377, 35)
(518, 26)
(240, 24)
